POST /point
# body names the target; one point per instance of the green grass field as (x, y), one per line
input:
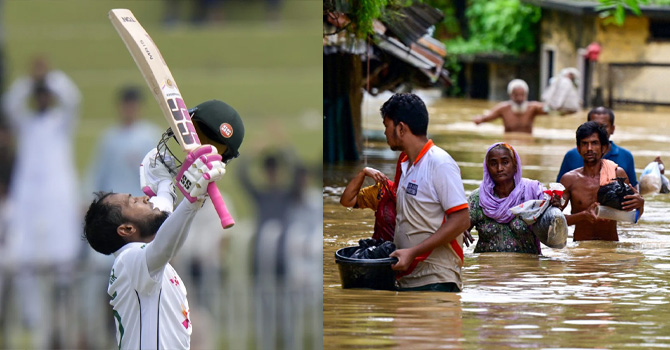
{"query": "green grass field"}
(270, 72)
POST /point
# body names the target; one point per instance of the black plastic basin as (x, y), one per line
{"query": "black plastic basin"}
(365, 273)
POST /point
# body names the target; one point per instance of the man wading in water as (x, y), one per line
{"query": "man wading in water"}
(582, 184)
(432, 210)
(518, 114)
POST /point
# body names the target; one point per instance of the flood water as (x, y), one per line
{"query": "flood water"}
(590, 294)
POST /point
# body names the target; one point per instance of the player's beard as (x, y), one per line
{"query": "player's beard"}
(149, 226)
(519, 108)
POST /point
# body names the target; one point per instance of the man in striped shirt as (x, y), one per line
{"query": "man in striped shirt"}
(431, 204)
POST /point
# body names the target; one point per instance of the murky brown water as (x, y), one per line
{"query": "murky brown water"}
(587, 295)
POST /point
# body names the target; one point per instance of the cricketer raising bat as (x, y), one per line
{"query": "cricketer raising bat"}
(162, 85)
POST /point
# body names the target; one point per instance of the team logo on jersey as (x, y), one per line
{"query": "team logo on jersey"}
(184, 312)
(226, 130)
(174, 280)
(112, 278)
(412, 189)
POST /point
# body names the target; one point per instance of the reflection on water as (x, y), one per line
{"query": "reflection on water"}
(589, 294)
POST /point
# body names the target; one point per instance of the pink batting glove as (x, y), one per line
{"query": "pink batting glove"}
(202, 166)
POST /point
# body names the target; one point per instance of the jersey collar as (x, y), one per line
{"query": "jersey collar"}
(424, 149)
(126, 247)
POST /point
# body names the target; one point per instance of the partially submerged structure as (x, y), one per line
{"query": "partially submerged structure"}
(399, 54)
(628, 64)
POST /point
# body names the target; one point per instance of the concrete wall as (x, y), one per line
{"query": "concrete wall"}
(564, 34)
(631, 43)
(500, 74)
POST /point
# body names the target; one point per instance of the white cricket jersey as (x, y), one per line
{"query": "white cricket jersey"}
(428, 191)
(149, 313)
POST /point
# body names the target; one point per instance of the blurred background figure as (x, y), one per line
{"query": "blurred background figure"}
(302, 322)
(43, 239)
(272, 200)
(272, 10)
(286, 247)
(122, 147)
(200, 12)
(214, 12)
(653, 179)
(562, 94)
(6, 163)
(6, 158)
(207, 11)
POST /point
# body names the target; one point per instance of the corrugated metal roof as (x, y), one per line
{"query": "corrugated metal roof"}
(403, 35)
(412, 22)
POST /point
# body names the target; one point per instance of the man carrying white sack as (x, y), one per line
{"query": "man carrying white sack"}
(653, 179)
(562, 94)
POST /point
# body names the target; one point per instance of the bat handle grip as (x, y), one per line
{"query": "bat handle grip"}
(214, 194)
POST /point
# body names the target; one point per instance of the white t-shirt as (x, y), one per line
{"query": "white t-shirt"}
(428, 191)
(152, 312)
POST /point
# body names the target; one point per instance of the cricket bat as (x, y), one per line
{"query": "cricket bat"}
(164, 88)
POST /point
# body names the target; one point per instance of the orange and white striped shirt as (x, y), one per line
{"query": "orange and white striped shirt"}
(428, 191)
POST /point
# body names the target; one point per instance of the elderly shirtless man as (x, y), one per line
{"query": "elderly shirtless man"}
(582, 184)
(518, 113)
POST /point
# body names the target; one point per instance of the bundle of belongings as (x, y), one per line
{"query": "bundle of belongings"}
(562, 94)
(547, 222)
(612, 193)
(652, 179)
(371, 248)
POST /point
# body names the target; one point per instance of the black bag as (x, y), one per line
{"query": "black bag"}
(373, 249)
(612, 194)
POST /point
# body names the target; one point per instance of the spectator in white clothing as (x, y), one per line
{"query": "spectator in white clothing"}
(44, 223)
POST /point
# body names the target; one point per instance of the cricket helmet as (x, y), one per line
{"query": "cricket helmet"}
(217, 121)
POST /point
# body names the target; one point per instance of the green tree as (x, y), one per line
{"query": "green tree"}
(498, 26)
(614, 11)
(362, 13)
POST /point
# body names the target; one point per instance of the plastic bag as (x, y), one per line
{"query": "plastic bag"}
(385, 214)
(548, 223)
(373, 249)
(603, 212)
(531, 210)
(652, 181)
(613, 193)
(552, 228)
